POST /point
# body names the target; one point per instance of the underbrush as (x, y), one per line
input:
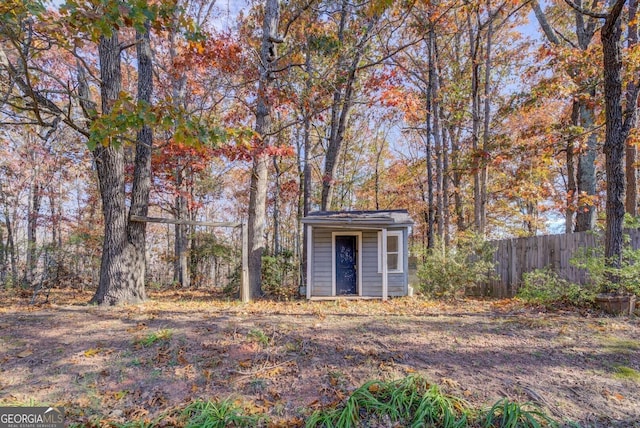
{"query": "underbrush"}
(447, 271)
(544, 287)
(408, 402)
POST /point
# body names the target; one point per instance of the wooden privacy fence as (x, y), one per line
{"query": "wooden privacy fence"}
(516, 256)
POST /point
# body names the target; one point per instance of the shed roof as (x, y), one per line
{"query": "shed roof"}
(363, 218)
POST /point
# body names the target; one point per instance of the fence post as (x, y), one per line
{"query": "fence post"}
(512, 267)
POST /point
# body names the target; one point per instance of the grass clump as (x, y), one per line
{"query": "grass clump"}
(624, 372)
(222, 414)
(157, 336)
(411, 402)
(259, 336)
(509, 414)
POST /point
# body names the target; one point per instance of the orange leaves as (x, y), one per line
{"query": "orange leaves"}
(222, 53)
(245, 151)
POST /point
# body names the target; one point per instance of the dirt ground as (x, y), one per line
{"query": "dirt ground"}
(289, 358)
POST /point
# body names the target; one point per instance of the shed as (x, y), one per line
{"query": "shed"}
(345, 257)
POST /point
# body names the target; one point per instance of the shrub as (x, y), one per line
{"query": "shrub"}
(600, 274)
(446, 271)
(545, 287)
(279, 276)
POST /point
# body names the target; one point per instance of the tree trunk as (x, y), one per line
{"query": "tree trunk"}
(616, 132)
(586, 214)
(583, 191)
(276, 208)
(457, 182)
(341, 106)
(445, 187)
(435, 96)
(181, 273)
(484, 170)
(259, 173)
(11, 246)
(631, 152)
(123, 266)
(306, 173)
(475, 129)
(572, 187)
(137, 231)
(429, 131)
(35, 198)
(3, 258)
(181, 243)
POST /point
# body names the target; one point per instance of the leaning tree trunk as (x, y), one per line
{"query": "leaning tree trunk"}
(580, 191)
(123, 265)
(258, 186)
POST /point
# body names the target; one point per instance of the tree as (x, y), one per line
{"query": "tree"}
(581, 183)
(348, 65)
(122, 270)
(631, 152)
(618, 123)
(257, 218)
(123, 266)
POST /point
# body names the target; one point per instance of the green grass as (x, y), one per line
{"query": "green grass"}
(509, 414)
(259, 336)
(411, 402)
(226, 413)
(620, 346)
(408, 402)
(624, 372)
(157, 336)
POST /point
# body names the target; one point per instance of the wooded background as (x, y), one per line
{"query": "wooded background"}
(475, 116)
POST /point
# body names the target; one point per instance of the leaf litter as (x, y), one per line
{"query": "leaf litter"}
(288, 359)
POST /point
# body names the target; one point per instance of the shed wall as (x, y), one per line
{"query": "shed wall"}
(321, 265)
(322, 270)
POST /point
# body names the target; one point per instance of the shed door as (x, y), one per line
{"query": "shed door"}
(346, 262)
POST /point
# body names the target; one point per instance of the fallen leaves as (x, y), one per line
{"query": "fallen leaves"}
(213, 353)
(139, 326)
(24, 354)
(92, 352)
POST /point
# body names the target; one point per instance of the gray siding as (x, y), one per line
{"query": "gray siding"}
(321, 269)
(372, 279)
